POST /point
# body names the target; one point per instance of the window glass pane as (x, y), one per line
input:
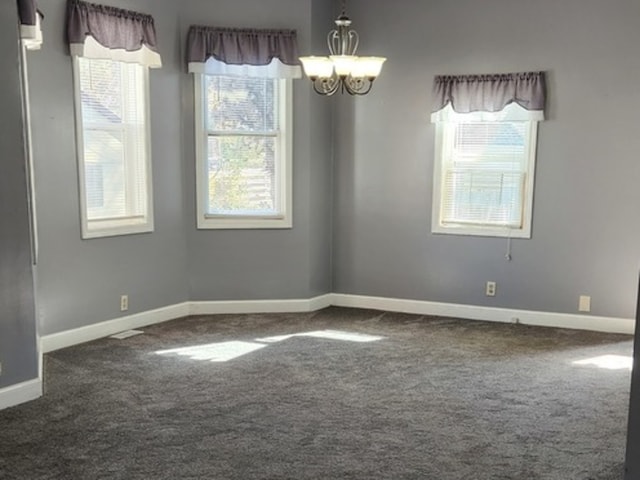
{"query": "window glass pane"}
(241, 104)
(104, 174)
(497, 145)
(483, 197)
(244, 178)
(484, 174)
(242, 175)
(101, 91)
(114, 134)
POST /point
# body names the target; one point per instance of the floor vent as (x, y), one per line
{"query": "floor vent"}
(126, 334)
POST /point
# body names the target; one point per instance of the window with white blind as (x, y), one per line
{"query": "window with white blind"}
(243, 144)
(483, 176)
(113, 147)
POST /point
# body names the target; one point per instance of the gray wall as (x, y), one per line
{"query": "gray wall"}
(80, 281)
(321, 158)
(267, 264)
(18, 352)
(586, 236)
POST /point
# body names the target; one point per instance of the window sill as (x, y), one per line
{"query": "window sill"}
(240, 223)
(115, 229)
(480, 231)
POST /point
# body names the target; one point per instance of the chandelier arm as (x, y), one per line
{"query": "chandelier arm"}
(326, 87)
(358, 86)
(354, 41)
(333, 40)
(367, 90)
(353, 86)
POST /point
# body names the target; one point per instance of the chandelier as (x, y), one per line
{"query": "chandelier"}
(342, 70)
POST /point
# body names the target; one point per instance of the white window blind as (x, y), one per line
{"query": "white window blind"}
(485, 155)
(113, 143)
(243, 136)
(484, 172)
(485, 166)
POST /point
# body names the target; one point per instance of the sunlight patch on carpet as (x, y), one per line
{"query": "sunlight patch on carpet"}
(609, 362)
(328, 334)
(225, 351)
(215, 352)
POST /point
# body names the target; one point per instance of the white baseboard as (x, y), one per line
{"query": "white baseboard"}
(260, 306)
(20, 393)
(56, 341)
(32, 389)
(68, 338)
(491, 314)
(318, 303)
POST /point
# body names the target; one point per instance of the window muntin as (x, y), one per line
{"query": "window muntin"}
(243, 150)
(483, 182)
(113, 147)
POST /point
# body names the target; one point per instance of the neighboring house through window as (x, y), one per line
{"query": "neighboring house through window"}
(485, 153)
(243, 126)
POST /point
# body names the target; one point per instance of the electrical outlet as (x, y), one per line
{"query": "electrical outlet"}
(124, 303)
(491, 289)
(584, 304)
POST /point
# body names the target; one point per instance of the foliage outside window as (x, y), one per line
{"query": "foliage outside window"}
(243, 152)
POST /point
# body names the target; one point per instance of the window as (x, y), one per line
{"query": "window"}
(486, 130)
(113, 147)
(483, 183)
(243, 142)
(243, 125)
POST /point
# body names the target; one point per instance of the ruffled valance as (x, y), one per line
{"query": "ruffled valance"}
(247, 52)
(30, 18)
(490, 93)
(99, 31)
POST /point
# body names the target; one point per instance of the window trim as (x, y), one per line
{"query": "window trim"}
(478, 230)
(284, 158)
(28, 148)
(114, 226)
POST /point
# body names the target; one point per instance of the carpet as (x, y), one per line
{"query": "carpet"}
(334, 394)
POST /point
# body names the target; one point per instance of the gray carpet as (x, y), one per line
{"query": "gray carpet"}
(435, 399)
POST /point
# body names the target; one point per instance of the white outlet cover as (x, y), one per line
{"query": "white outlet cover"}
(584, 305)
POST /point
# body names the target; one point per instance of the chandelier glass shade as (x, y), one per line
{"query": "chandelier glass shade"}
(342, 70)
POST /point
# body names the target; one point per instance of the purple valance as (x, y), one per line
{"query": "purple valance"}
(209, 47)
(28, 11)
(30, 18)
(489, 93)
(100, 31)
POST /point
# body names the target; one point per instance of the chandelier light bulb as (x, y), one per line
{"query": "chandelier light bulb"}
(372, 66)
(317, 67)
(343, 64)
